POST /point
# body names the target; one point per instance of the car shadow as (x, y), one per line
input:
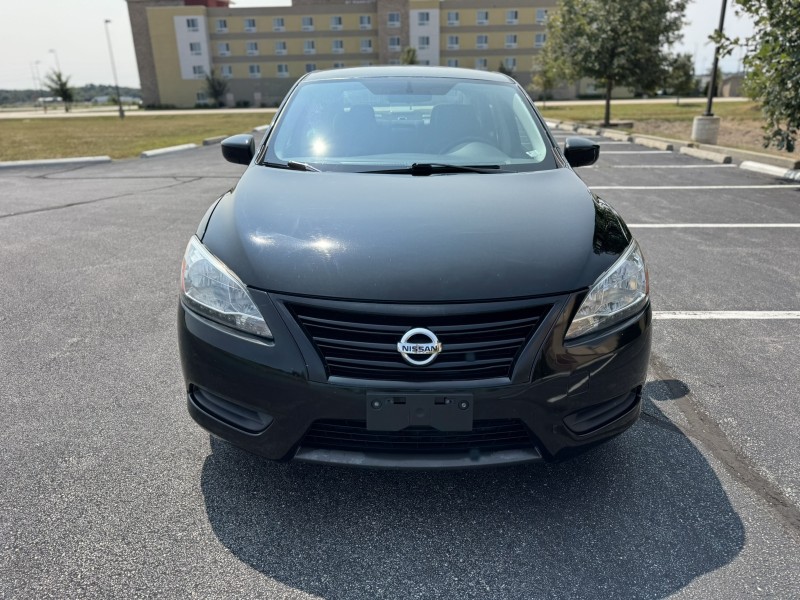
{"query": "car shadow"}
(640, 517)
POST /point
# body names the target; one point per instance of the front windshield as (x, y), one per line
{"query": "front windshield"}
(370, 124)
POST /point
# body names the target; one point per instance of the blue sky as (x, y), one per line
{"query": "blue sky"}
(75, 30)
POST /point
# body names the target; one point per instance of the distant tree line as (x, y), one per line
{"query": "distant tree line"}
(80, 94)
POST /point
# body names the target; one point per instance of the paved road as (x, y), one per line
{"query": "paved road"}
(110, 491)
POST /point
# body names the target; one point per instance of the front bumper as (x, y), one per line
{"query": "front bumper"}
(270, 398)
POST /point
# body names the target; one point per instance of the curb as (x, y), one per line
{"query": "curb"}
(260, 128)
(167, 150)
(616, 135)
(651, 143)
(765, 169)
(707, 155)
(55, 162)
(587, 131)
(213, 140)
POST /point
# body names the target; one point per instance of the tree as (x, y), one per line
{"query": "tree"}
(502, 68)
(772, 66)
(548, 69)
(680, 77)
(615, 42)
(216, 88)
(58, 85)
(409, 57)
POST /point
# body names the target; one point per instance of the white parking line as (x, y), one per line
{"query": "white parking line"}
(713, 225)
(776, 186)
(727, 314)
(638, 151)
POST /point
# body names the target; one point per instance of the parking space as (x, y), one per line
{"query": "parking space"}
(110, 490)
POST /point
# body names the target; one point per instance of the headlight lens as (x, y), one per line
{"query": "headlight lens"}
(617, 294)
(211, 289)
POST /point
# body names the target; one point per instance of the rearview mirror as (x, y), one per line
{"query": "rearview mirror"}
(239, 149)
(581, 152)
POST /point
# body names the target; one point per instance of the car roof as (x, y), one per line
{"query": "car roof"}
(406, 71)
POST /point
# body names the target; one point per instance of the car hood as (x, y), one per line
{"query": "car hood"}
(406, 238)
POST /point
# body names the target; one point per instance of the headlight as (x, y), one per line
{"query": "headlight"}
(617, 294)
(211, 289)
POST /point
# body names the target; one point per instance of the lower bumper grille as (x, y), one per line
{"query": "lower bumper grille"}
(488, 435)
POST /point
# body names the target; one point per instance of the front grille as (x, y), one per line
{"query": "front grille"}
(360, 345)
(489, 435)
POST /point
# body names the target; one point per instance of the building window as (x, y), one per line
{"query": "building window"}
(452, 42)
(366, 63)
(278, 24)
(510, 63)
(192, 24)
(394, 61)
(482, 17)
(250, 25)
(541, 16)
(255, 71)
(423, 42)
(453, 18)
(482, 42)
(224, 49)
(365, 22)
(539, 39)
(252, 48)
(222, 25)
(511, 40)
(394, 19)
(336, 23)
(195, 48)
(280, 48)
(338, 65)
(452, 62)
(337, 46)
(394, 43)
(283, 70)
(481, 64)
(226, 71)
(308, 24)
(201, 98)
(512, 17)
(309, 47)
(366, 45)
(311, 67)
(423, 18)
(199, 71)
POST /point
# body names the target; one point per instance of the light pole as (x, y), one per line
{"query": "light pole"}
(712, 85)
(39, 85)
(705, 128)
(55, 54)
(114, 71)
(37, 81)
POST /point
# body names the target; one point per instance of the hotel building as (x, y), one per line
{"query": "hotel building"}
(261, 52)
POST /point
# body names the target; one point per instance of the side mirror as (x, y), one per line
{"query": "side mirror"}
(239, 149)
(581, 152)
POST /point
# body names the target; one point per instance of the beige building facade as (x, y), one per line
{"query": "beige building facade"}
(261, 52)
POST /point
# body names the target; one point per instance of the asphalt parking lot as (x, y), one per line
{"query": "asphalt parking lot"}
(109, 490)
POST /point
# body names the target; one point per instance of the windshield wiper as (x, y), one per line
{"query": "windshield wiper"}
(300, 166)
(292, 165)
(431, 168)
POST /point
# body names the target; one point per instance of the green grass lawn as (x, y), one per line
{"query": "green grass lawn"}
(663, 112)
(24, 139)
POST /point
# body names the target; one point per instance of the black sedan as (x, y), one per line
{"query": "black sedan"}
(410, 274)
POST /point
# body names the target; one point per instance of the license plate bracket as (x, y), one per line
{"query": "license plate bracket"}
(445, 412)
